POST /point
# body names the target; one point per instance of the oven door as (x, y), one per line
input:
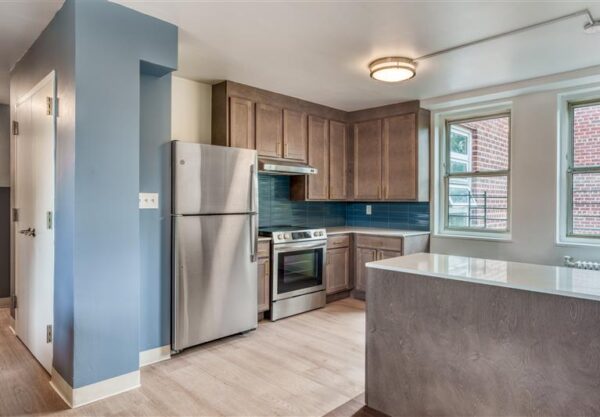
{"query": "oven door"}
(298, 268)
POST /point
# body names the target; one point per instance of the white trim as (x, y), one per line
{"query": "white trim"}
(5, 302)
(150, 356)
(38, 86)
(76, 397)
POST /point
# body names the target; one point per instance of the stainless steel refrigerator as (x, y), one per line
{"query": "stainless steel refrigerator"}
(215, 229)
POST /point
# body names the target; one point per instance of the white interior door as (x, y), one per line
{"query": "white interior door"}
(34, 239)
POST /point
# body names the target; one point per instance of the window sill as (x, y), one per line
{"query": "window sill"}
(486, 238)
(578, 243)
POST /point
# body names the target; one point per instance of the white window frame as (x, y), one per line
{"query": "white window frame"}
(566, 102)
(440, 206)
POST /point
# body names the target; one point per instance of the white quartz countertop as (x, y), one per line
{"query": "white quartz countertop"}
(556, 280)
(332, 231)
(264, 238)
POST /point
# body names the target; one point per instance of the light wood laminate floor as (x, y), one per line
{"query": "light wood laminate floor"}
(307, 365)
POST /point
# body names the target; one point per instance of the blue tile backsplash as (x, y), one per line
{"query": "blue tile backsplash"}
(276, 208)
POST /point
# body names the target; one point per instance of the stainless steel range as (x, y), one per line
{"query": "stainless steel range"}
(298, 274)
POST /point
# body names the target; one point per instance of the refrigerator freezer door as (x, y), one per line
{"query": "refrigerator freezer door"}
(210, 179)
(215, 279)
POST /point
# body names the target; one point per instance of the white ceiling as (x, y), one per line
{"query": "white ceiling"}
(21, 22)
(319, 51)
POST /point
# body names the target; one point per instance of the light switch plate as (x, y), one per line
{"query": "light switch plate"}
(148, 200)
(369, 212)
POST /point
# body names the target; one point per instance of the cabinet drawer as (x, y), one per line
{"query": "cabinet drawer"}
(264, 249)
(341, 241)
(379, 242)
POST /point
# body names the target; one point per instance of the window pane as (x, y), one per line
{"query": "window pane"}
(478, 203)
(482, 144)
(586, 204)
(586, 136)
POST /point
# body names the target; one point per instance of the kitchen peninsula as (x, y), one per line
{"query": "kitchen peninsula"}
(452, 335)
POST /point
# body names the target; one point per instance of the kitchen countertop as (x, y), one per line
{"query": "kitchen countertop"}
(264, 239)
(331, 231)
(555, 280)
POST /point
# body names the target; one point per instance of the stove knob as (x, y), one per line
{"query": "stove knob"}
(280, 236)
(287, 236)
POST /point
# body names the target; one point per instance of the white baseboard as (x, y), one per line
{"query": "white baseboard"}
(5, 302)
(93, 392)
(158, 354)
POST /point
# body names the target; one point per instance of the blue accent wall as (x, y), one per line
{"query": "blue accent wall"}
(98, 50)
(111, 43)
(155, 225)
(276, 208)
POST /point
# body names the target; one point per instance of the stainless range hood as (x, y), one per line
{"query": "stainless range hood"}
(282, 167)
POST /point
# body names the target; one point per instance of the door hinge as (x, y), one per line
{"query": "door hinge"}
(15, 128)
(49, 106)
(49, 333)
(15, 214)
(13, 302)
(49, 220)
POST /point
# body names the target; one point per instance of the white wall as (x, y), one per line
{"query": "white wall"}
(4, 145)
(533, 170)
(191, 110)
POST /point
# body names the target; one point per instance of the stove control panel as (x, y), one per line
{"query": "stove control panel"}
(299, 235)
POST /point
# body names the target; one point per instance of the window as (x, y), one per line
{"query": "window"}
(583, 170)
(476, 173)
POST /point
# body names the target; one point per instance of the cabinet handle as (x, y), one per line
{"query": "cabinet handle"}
(267, 268)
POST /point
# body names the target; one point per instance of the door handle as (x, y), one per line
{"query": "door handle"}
(28, 232)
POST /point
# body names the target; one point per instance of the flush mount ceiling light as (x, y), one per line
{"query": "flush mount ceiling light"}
(392, 69)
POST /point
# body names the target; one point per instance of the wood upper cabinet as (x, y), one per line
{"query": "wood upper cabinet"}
(337, 160)
(367, 160)
(363, 255)
(241, 123)
(269, 130)
(400, 157)
(318, 157)
(338, 270)
(294, 135)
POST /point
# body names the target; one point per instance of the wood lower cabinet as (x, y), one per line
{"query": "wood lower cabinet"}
(338, 270)
(264, 277)
(367, 160)
(399, 158)
(338, 165)
(363, 255)
(295, 125)
(386, 254)
(241, 123)
(269, 130)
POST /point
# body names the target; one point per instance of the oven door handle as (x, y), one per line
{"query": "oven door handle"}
(290, 247)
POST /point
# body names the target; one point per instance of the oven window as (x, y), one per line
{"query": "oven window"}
(299, 270)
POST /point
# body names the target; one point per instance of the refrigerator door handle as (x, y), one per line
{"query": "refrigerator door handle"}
(253, 188)
(253, 238)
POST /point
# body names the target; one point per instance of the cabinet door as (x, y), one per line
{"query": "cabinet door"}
(400, 157)
(337, 160)
(264, 284)
(269, 130)
(318, 157)
(367, 160)
(386, 254)
(241, 123)
(294, 135)
(337, 272)
(363, 256)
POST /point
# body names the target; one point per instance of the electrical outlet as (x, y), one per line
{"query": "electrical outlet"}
(369, 211)
(148, 200)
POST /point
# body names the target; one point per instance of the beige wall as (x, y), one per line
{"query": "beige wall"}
(4, 146)
(191, 110)
(533, 170)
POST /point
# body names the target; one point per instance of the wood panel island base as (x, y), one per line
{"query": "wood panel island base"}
(450, 336)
